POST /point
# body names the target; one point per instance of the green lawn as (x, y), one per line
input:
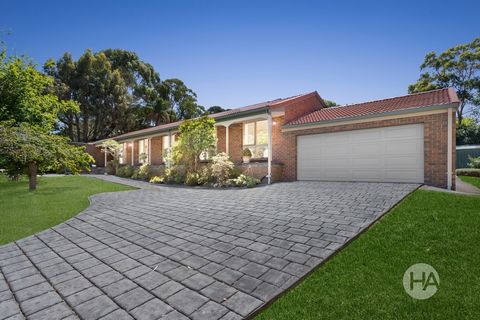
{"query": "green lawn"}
(57, 199)
(475, 181)
(364, 281)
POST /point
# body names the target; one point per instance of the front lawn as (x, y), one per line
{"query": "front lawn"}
(57, 199)
(364, 281)
(475, 181)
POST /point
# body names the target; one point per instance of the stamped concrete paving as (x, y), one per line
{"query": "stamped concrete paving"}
(179, 253)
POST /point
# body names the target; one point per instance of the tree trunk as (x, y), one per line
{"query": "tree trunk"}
(32, 176)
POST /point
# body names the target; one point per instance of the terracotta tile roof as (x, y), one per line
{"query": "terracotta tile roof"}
(411, 101)
(228, 113)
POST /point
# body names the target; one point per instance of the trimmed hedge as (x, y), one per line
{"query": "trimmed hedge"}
(468, 172)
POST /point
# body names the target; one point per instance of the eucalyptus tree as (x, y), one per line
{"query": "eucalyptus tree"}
(457, 67)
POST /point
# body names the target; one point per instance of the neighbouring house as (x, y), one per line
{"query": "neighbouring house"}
(402, 139)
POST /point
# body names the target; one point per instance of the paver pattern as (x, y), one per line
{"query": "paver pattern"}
(184, 253)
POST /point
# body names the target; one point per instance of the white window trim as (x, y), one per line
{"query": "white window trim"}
(254, 145)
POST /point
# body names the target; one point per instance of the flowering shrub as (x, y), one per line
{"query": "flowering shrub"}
(245, 181)
(221, 169)
(157, 179)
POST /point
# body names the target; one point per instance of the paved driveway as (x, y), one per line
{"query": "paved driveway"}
(179, 253)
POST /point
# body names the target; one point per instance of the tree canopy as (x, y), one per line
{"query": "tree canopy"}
(28, 113)
(28, 149)
(215, 109)
(117, 92)
(457, 67)
(25, 94)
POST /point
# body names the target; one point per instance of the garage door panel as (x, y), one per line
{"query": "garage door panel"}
(366, 136)
(367, 175)
(401, 147)
(367, 163)
(366, 148)
(391, 154)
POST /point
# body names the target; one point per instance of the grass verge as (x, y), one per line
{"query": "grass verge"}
(364, 281)
(23, 213)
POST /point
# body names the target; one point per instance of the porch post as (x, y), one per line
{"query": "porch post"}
(149, 151)
(269, 125)
(132, 158)
(169, 148)
(105, 157)
(227, 139)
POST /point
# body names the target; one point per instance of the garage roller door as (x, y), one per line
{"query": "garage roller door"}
(390, 154)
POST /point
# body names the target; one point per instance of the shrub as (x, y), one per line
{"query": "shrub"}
(246, 152)
(474, 162)
(157, 179)
(468, 172)
(111, 167)
(205, 176)
(235, 173)
(154, 171)
(245, 181)
(125, 171)
(174, 174)
(142, 172)
(221, 169)
(191, 178)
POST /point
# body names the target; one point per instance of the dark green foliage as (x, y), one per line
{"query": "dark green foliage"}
(25, 149)
(125, 171)
(468, 172)
(457, 67)
(468, 132)
(117, 92)
(215, 109)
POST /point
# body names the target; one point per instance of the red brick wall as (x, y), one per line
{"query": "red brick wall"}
(435, 147)
(302, 108)
(135, 153)
(221, 139)
(235, 145)
(97, 154)
(156, 150)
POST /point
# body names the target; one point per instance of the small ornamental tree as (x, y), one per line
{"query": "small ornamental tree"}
(27, 149)
(196, 137)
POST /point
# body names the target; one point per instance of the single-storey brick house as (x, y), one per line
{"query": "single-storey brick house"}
(403, 139)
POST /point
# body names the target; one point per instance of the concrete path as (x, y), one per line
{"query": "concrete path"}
(184, 253)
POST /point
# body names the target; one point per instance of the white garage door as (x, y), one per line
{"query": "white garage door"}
(390, 154)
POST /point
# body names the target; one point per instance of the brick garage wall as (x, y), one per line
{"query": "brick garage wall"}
(435, 145)
(156, 150)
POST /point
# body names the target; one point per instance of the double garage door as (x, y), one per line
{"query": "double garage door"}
(389, 154)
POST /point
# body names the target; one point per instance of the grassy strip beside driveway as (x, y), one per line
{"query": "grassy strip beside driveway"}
(23, 213)
(364, 281)
(474, 181)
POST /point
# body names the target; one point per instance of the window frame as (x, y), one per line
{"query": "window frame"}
(143, 148)
(255, 139)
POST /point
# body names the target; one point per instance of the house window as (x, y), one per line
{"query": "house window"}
(122, 153)
(143, 151)
(166, 147)
(255, 138)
